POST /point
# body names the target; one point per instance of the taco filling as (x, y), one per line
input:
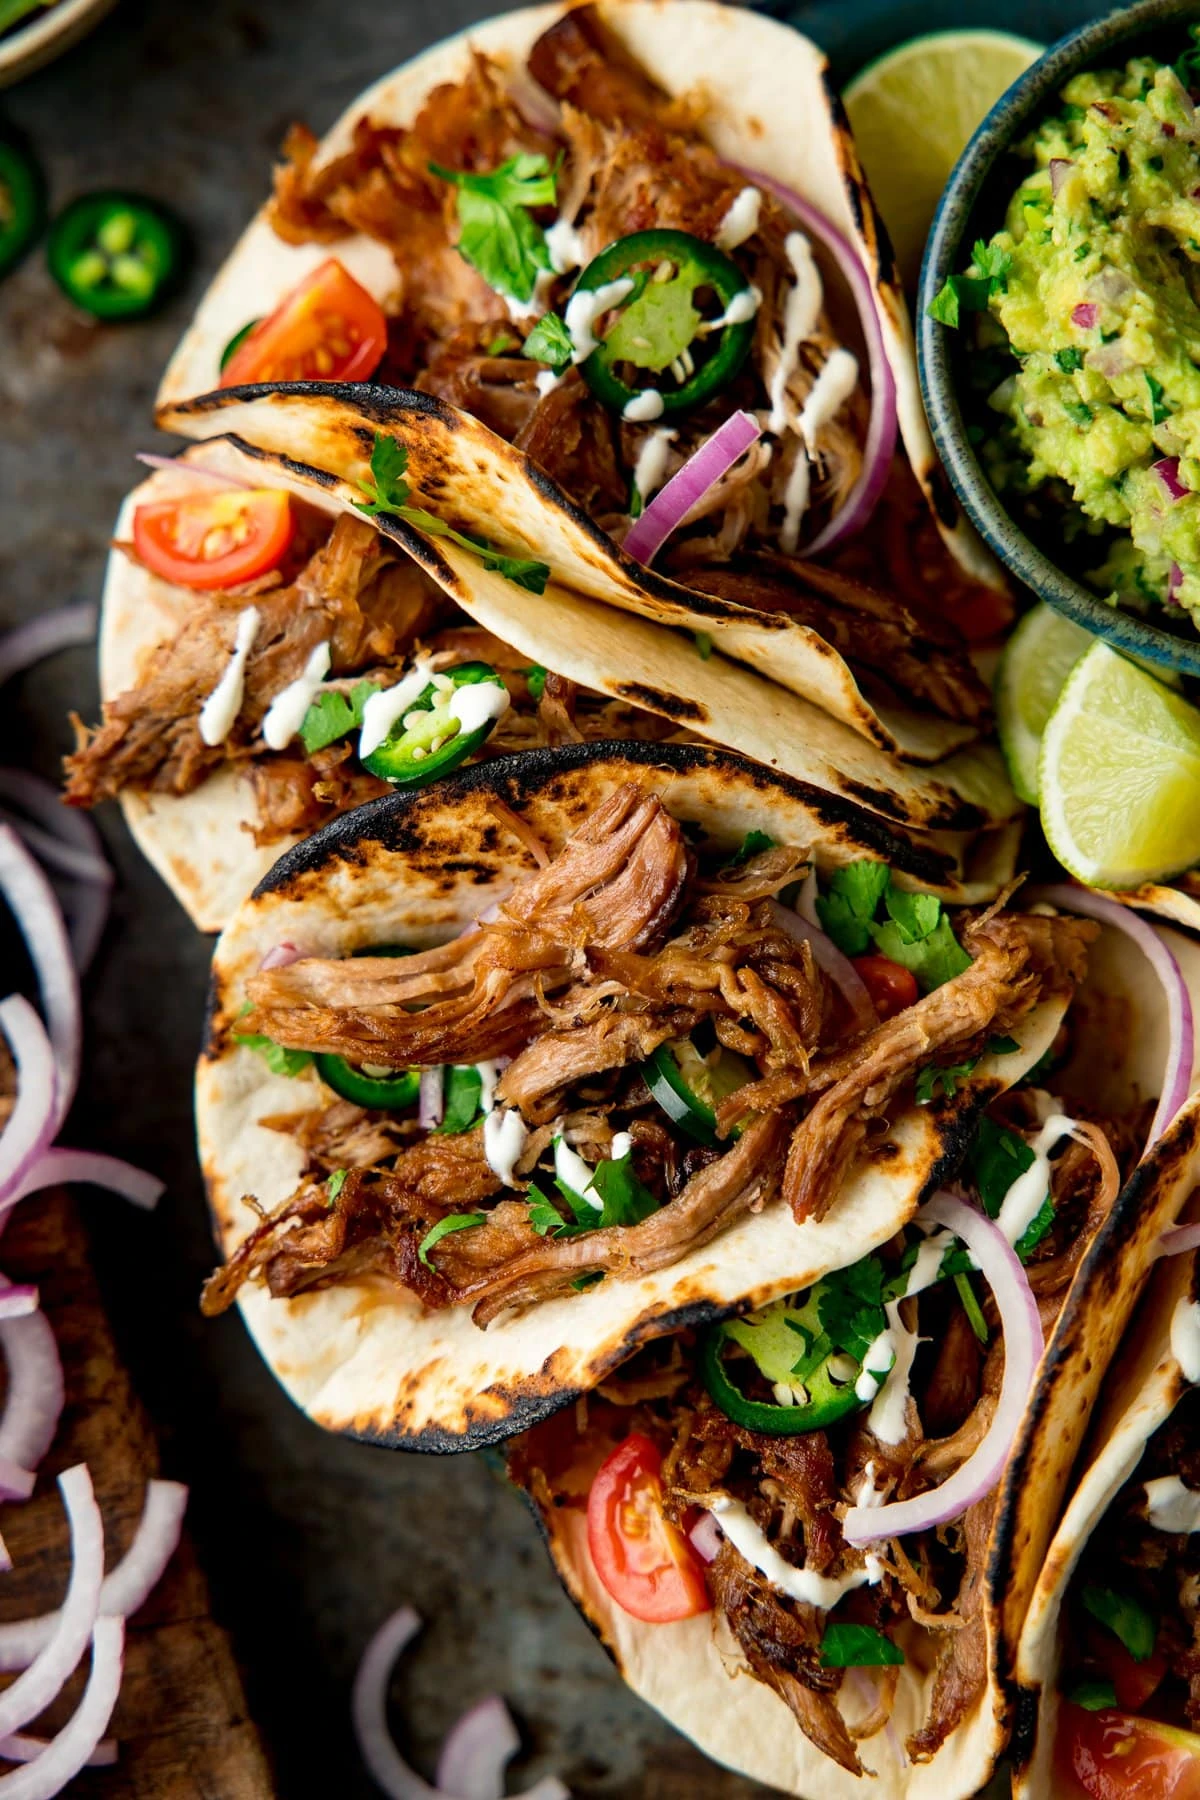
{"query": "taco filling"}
(741, 1470)
(638, 1046)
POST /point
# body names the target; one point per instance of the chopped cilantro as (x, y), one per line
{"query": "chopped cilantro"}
(497, 233)
(443, 1228)
(637, 505)
(335, 1184)
(549, 342)
(948, 1080)
(1124, 1616)
(1158, 412)
(703, 643)
(1155, 163)
(500, 346)
(1094, 1695)
(916, 933)
(1082, 250)
(959, 294)
(915, 916)
(463, 1086)
(993, 262)
(586, 1281)
(335, 715)
(996, 1158)
(934, 959)
(626, 1200)
(858, 1647)
(387, 492)
(850, 903)
(850, 1306)
(544, 1216)
(1078, 411)
(1069, 360)
(753, 844)
(279, 1059)
(535, 679)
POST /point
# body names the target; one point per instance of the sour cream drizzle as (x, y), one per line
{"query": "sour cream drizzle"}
(800, 317)
(651, 464)
(888, 1417)
(834, 385)
(565, 246)
(1170, 1506)
(285, 714)
(383, 709)
(575, 1173)
(880, 1358)
(474, 704)
(741, 219)
(805, 1585)
(795, 501)
(223, 705)
(1023, 1201)
(585, 306)
(504, 1139)
(643, 407)
(1185, 1339)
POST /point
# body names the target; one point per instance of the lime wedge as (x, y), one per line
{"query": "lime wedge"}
(1037, 660)
(1120, 775)
(912, 112)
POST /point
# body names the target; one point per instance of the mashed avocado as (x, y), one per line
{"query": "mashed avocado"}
(1088, 333)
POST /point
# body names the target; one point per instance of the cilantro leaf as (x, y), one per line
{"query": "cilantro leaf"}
(335, 1184)
(1069, 360)
(933, 960)
(1124, 1616)
(279, 1059)
(544, 1216)
(443, 1228)
(858, 1647)
(1078, 411)
(549, 342)
(993, 262)
(850, 1306)
(1094, 1695)
(535, 679)
(753, 844)
(959, 294)
(1158, 412)
(463, 1086)
(947, 1080)
(914, 915)
(704, 644)
(499, 346)
(524, 571)
(335, 715)
(497, 234)
(850, 903)
(626, 1200)
(970, 1305)
(994, 1161)
(386, 488)
(586, 1281)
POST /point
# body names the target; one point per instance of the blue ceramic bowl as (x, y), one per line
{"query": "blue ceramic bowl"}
(973, 206)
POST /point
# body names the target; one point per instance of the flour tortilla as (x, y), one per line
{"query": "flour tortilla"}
(367, 1359)
(202, 843)
(687, 1670)
(1143, 1390)
(769, 105)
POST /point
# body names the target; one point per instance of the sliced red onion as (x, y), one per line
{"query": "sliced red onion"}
(44, 802)
(431, 1098)
(126, 1588)
(827, 956)
(671, 505)
(369, 1710)
(36, 909)
(108, 1172)
(1167, 470)
(77, 852)
(88, 909)
(1085, 315)
(32, 1121)
(1174, 583)
(1060, 167)
(1023, 1346)
(281, 956)
(20, 1748)
(18, 1300)
(16, 1483)
(705, 1537)
(189, 467)
(1179, 1239)
(1181, 1037)
(41, 637)
(1109, 360)
(477, 1750)
(39, 1684)
(55, 853)
(34, 1398)
(880, 443)
(76, 1744)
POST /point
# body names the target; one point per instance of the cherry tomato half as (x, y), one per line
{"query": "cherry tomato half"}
(1133, 1681)
(644, 1561)
(214, 540)
(1114, 1756)
(891, 986)
(327, 329)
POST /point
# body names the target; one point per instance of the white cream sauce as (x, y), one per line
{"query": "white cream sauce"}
(834, 385)
(585, 306)
(801, 313)
(805, 1585)
(504, 1139)
(223, 705)
(928, 1266)
(644, 407)
(476, 703)
(545, 381)
(1023, 1201)
(285, 715)
(1185, 1339)
(651, 464)
(880, 1358)
(570, 1168)
(888, 1416)
(621, 1145)
(565, 246)
(740, 311)
(741, 219)
(383, 709)
(1170, 1506)
(795, 501)
(489, 1075)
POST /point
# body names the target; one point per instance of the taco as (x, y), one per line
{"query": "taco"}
(708, 1103)
(808, 1572)
(1108, 1667)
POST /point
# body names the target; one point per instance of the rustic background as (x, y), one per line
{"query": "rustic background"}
(308, 1541)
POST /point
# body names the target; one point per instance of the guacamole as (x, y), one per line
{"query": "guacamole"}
(1087, 322)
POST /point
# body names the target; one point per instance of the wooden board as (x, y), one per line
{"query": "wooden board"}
(181, 1719)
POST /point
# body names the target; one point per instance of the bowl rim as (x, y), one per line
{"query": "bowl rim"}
(31, 44)
(995, 134)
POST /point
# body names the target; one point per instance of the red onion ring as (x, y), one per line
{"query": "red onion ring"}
(77, 1743)
(126, 1588)
(431, 1098)
(1167, 470)
(1181, 1046)
(702, 470)
(34, 1399)
(32, 1122)
(1023, 1346)
(281, 956)
(49, 632)
(827, 956)
(56, 852)
(882, 428)
(18, 1300)
(39, 1684)
(36, 910)
(705, 1537)
(62, 1165)
(476, 1750)
(185, 466)
(20, 1748)
(16, 1483)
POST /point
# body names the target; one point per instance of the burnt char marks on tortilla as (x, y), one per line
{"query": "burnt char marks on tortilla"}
(658, 701)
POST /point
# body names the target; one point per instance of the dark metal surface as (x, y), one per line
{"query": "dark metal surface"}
(309, 1541)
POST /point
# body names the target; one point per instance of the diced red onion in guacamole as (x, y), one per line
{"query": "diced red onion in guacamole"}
(1167, 470)
(1085, 316)
(1174, 583)
(1059, 166)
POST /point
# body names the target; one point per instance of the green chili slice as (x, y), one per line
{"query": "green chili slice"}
(115, 255)
(428, 741)
(22, 204)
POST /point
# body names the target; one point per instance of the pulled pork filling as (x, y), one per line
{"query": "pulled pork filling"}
(915, 1604)
(375, 609)
(656, 1052)
(631, 160)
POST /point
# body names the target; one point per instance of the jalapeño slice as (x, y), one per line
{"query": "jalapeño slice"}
(689, 1087)
(388, 1090)
(429, 740)
(237, 340)
(688, 320)
(22, 204)
(115, 255)
(828, 1397)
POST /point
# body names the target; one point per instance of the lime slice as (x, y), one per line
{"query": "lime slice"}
(1037, 660)
(912, 112)
(1120, 775)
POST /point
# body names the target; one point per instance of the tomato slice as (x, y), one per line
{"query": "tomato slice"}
(1133, 1681)
(644, 1561)
(891, 986)
(1114, 1756)
(327, 329)
(214, 540)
